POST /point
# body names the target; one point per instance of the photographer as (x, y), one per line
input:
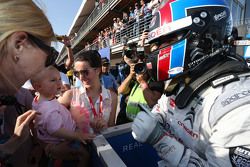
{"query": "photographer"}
(124, 71)
(145, 90)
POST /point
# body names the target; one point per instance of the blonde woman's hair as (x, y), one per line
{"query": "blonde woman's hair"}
(23, 15)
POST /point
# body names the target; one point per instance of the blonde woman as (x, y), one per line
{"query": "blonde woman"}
(25, 37)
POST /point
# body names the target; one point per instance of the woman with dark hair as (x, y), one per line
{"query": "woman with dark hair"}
(93, 107)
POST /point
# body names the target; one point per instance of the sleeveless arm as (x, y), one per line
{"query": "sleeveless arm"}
(65, 99)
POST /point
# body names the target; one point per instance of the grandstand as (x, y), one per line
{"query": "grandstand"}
(95, 17)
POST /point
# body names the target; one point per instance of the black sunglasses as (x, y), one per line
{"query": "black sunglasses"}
(82, 72)
(50, 51)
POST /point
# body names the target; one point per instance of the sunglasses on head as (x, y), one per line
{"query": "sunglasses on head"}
(82, 72)
(50, 51)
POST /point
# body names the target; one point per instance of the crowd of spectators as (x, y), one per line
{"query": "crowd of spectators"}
(131, 25)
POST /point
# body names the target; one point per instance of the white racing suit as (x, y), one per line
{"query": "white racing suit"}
(212, 130)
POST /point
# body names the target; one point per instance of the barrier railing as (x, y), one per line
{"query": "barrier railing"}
(99, 10)
(131, 30)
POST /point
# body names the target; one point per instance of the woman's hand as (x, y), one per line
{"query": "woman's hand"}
(98, 124)
(21, 132)
(23, 122)
(83, 137)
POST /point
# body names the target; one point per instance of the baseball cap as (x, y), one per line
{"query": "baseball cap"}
(105, 61)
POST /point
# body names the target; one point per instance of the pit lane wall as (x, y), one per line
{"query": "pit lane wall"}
(116, 147)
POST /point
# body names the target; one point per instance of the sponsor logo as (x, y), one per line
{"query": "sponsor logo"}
(190, 117)
(223, 80)
(175, 70)
(235, 97)
(196, 105)
(164, 56)
(196, 161)
(131, 146)
(165, 149)
(170, 27)
(158, 32)
(195, 62)
(242, 152)
(239, 156)
(190, 132)
(172, 103)
(220, 16)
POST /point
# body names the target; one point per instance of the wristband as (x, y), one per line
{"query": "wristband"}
(144, 85)
(68, 46)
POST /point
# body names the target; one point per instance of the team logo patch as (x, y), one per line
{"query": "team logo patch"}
(240, 156)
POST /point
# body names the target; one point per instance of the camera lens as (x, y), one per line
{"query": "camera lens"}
(140, 68)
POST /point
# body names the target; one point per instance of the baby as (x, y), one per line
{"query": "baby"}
(55, 123)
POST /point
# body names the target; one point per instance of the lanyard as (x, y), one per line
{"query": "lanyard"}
(93, 107)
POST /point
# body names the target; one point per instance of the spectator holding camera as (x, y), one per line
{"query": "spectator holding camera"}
(123, 72)
(145, 90)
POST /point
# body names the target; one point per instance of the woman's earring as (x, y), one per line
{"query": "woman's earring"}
(16, 58)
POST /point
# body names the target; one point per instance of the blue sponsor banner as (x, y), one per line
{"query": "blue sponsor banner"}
(105, 52)
(247, 48)
(132, 152)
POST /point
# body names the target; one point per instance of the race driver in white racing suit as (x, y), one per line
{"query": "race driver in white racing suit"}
(204, 117)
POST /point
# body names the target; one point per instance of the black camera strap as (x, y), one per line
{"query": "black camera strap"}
(11, 101)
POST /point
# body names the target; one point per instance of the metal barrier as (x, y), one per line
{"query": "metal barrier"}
(96, 14)
(116, 147)
(131, 30)
(99, 10)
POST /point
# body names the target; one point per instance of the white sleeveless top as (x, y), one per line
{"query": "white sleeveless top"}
(82, 111)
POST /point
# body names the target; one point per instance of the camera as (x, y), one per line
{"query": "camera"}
(140, 68)
(128, 52)
(133, 52)
(140, 53)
